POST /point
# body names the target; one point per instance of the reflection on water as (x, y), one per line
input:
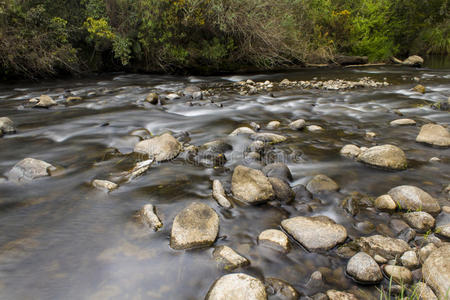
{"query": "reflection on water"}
(62, 239)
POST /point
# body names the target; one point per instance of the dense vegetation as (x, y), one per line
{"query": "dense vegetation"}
(47, 37)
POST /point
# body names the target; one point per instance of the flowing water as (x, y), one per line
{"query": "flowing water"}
(62, 239)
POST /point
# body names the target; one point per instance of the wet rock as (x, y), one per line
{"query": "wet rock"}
(385, 156)
(282, 190)
(29, 169)
(351, 151)
(6, 126)
(138, 169)
(251, 186)
(297, 124)
(434, 159)
(413, 198)
(302, 195)
(419, 220)
(425, 251)
(320, 296)
(197, 95)
(401, 122)
(370, 135)
(275, 239)
(413, 61)
(255, 126)
(435, 135)
(410, 260)
(213, 153)
(152, 98)
(315, 281)
(399, 274)
(337, 295)
(219, 194)
(314, 128)
(237, 286)
(256, 146)
(172, 96)
(161, 148)
(73, 99)
(385, 202)
(242, 131)
(322, 183)
(45, 102)
(104, 185)
(444, 230)
(281, 290)
(398, 225)
(386, 247)
(195, 226)
(149, 217)
(364, 268)
(436, 271)
(278, 170)
(270, 138)
(407, 234)
(229, 259)
(143, 133)
(419, 88)
(423, 292)
(380, 259)
(190, 90)
(315, 233)
(273, 125)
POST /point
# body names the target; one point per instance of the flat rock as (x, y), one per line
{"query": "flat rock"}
(242, 131)
(364, 268)
(399, 274)
(436, 271)
(7, 125)
(386, 247)
(385, 202)
(237, 286)
(229, 258)
(282, 190)
(413, 198)
(315, 233)
(401, 122)
(350, 151)
(251, 186)
(104, 185)
(278, 170)
(45, 101)
(419, 220)
(297, 124)
(219, 194)
(321, 183)
(435, 135)
(270, 138)
(281, 290)
(385, 156)
(161, 148)
(29, 169)
(338, 295)
(195, 226)
(275, 239)
(149, 217)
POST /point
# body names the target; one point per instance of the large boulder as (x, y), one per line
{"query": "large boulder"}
(7, 125)
(195, 226)
(385, 156)
(161, 148)
(29, 169)
(315, 233)
(412, 198)
(251, 186)
(435, 135)
(237, 286)
(436, 271)
(364, 268)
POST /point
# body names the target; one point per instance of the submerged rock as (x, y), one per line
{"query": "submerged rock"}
(419, 220)
(385, 202)
(242, 131)
(161, 148)
(152, 98)
(219, 194)
(275, 239)
(350, 151)
(278, 170)
(195, 226)
(282, 190)
(364, 268)
(149, 217)
(436, 271)
(337, 295)
(321, 183)
(237, 286)
(419, 88)
(399, 274)
(266, 137)
(385, 156)
(273, 125)
(297, 124)
(229, 258)
(314, 128)
(281, 290)
(315, 233)
(45, 101)
(435, 135)
(104, 185)
(413, 198)
(251, 186)
(6, 126)
(29, 169)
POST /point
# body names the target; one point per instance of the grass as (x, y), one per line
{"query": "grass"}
(409, 293)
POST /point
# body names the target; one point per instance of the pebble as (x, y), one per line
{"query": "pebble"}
(104, 185)
(274, 238)
(229, 259)
(219, 194)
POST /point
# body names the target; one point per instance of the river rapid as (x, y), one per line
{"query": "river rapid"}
(63, 239)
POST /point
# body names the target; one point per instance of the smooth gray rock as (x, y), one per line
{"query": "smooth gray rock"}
(281, 290)
(219, 194)
(242, 131)
(385, 156)
(45, 102)
(364, 268)
(386, 247)
(315, 233)
(321, 183)
(273, 125)
(419, 220)
(195, 226)
(434, 134)
(350, 151)
(161, 148)
(270, 138)
(104, 185)
(278, 170)
(410, 260)
(436, 271)
(251, 186)
(297, 124)
(402, 122)
(274, 238)
(413, 198)
(282, 190)
(29, 169)
(237, 286)
(229, 259)
(7, 126)
(399, 274)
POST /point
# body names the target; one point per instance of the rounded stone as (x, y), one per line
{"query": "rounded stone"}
(385, 156)
(399, 274)
(314, 128)
(273, 125)
(436, 271)
(251, 186)
(281, 290)
(242, 131)
(278, 170)
(410, 260)
(338, 295)
(434, 134)
(7, 125)
(152, 98)
(351, 151)
(195, 226)
(419, 220)
(104, 185)
(386, 247)
(45, 102)
(270, 138)
(364, 268)
(237, 286)
(282, 190)
(297, 124)
(161, 148)
(401, 122)
(219, 194)
(274, 238)
(229, 258)
(413, 198)
(385, 202)
(29, 169)
(315, 233)
(321, 183)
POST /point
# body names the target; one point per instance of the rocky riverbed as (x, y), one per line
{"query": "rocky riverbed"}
(321, 184)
